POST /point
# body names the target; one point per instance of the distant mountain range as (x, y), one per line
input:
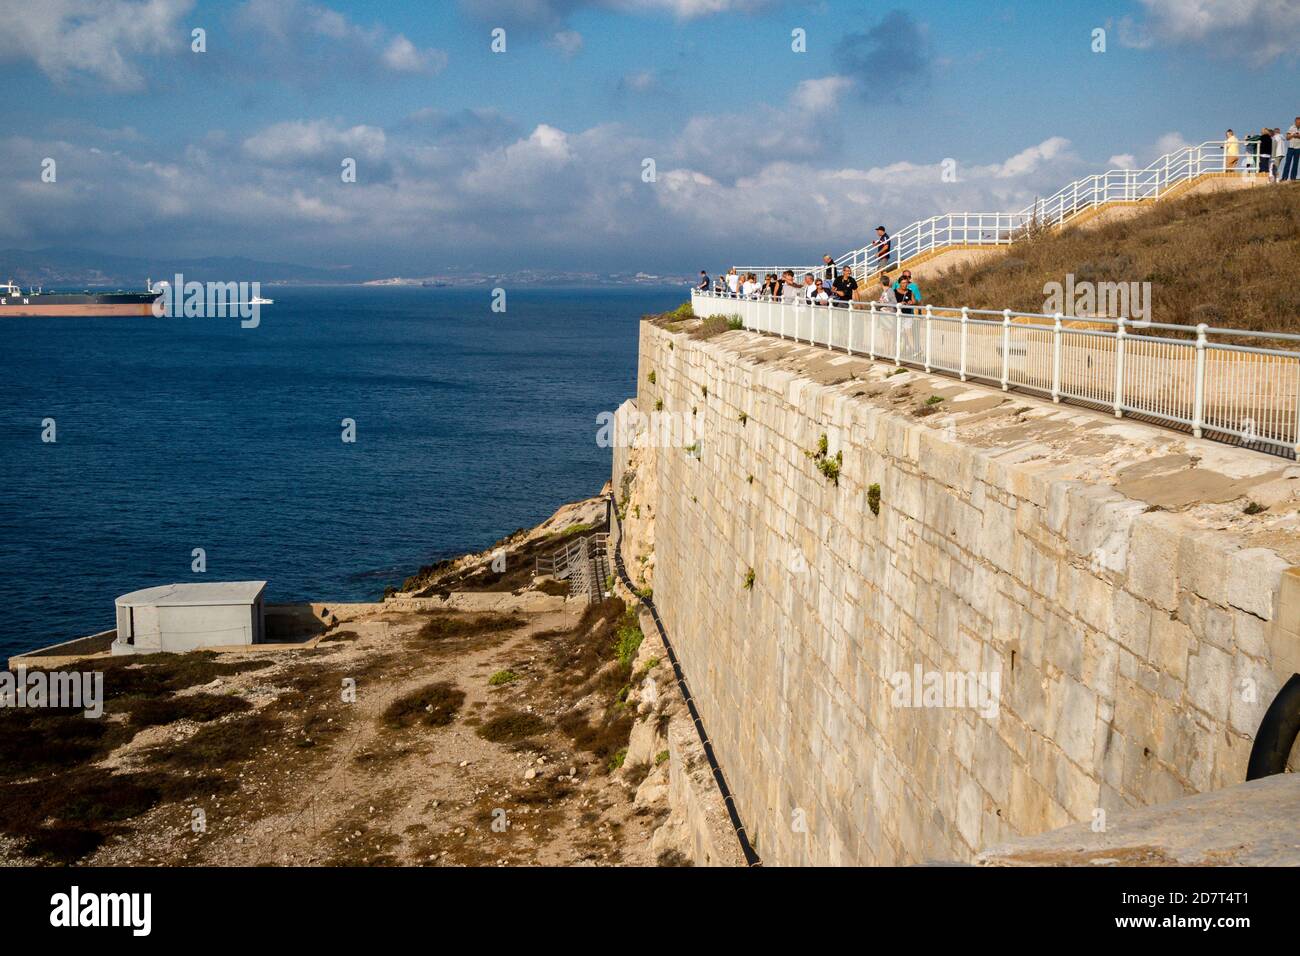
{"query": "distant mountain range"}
(81, 268)
(68, 269)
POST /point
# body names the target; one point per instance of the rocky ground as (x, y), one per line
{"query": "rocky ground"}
(476, 717)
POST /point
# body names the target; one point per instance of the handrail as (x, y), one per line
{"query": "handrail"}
(1073, 199)
(1176, 375)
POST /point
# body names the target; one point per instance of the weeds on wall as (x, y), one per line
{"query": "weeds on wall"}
(749, 580)
(873, 499)
(829, 466)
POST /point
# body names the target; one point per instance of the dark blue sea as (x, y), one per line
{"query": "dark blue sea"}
(176, 434)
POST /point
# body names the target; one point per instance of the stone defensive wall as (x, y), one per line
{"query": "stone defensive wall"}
(923, 618)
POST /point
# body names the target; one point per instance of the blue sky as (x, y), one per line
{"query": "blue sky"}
(533, 157)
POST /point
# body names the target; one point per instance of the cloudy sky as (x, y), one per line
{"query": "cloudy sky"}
(535, 156)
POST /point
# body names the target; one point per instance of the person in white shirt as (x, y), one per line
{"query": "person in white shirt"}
(808, 287)
(819, 294)
(1231, 150)
(751, 286)
(1291, 166)
(1279, 154)
(733, 280)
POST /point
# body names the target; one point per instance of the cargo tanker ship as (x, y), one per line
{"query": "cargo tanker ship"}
(14, 301)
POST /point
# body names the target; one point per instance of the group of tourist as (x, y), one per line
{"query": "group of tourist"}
(825, 289)
(1270, 151)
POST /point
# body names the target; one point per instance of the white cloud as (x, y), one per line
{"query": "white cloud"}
(102, 41)
(298, 37)
(298, 140)
(534, 13)
(1256, 29)
(1027, 160)
(1122, 161)
(821, 95)
(403, 56)
(568, 42)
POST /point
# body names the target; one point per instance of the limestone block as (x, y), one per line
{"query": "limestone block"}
(1170, 643)
(1153, 559)
(1254, 577)
(1209, 681)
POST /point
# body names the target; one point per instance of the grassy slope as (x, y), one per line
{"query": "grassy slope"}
(1226, 259)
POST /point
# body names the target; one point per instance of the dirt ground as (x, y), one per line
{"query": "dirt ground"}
(405, 737)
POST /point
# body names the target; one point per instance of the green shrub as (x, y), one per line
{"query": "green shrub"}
(628, 638)
(502, 677)
(873, 499)
(749, 580)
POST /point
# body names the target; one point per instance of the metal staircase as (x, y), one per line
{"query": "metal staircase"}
(583, 562)
(1171, 173)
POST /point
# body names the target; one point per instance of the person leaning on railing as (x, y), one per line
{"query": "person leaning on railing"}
(789, 288)
(1291, 165)
(844, 286)
(1260, 146)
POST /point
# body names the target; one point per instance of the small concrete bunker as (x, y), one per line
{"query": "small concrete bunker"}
(186, 617)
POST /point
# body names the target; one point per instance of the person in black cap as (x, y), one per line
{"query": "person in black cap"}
(881, 245)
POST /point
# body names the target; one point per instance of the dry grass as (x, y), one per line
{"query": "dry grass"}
(1226, 259)
(441, 627)
(154, 711)
(510, 726)
(434, 706)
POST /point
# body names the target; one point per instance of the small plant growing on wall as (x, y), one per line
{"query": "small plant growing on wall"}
(1253, 508)
(830, 467)
(694, 450)
(749, 580)
(934, 400)
(651, 377)
(743, 418)
(735, 322)
(827, 465)
(704, 390)
(659, 404)
(873, 499)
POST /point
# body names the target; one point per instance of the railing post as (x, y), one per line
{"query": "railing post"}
(965, 317)
(1056, 358)
(871, 332)
(1198, 399)
(929, 314)
(898, 335)
(1006, 348)
(1119, 369)
(850, 321)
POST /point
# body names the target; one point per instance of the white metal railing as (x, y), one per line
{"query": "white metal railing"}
(1002, 228)
(583, 562)
(1179, 375)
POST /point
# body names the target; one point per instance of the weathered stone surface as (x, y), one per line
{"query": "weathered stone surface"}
(1117, 635)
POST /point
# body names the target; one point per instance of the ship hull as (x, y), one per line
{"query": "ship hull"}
(76, 305)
